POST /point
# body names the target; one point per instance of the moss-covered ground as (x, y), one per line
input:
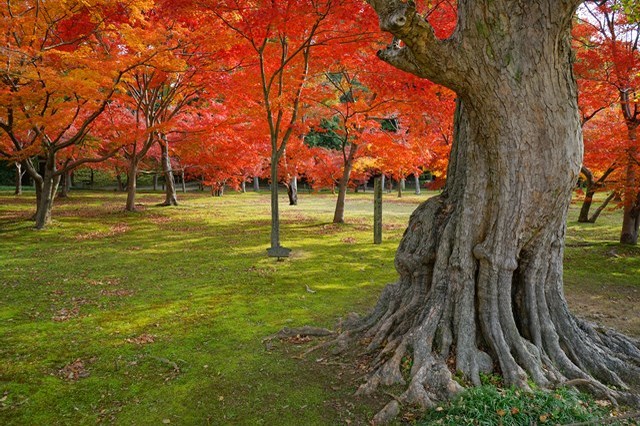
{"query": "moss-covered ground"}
(157, 317)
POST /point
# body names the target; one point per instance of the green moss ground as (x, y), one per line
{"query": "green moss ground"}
(165, 309)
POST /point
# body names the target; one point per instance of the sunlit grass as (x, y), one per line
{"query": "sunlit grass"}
(197, 280)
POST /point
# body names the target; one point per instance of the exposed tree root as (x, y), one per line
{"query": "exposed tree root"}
(478, 317)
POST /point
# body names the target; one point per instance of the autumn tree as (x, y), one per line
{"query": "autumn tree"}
(279, 44)
(63, 63)
(480, 287)
(614, 43)
(352, 106)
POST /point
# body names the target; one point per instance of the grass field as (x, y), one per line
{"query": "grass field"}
(158, 317)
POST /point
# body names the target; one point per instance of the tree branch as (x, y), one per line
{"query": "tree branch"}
(438, 60)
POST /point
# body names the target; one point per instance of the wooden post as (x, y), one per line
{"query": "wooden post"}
(377, 210)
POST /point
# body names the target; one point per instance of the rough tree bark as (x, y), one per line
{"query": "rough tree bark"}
(480, 286)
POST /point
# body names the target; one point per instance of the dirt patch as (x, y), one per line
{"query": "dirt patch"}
(614, 306)
(339, 375)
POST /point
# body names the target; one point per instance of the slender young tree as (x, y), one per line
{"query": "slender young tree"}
(282, 42)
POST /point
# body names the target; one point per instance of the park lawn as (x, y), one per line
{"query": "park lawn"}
(158, 316)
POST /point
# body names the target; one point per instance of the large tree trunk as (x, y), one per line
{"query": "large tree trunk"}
(338, 215)
(480, 286)
(132, 183)
(171, 199)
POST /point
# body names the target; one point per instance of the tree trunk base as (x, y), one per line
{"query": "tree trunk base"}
(443, 320)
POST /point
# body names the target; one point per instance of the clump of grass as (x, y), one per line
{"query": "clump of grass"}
(491, 405)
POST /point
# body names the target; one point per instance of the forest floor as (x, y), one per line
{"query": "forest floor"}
(158, 316)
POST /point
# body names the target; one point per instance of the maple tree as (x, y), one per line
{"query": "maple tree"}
(352, 106)
(282, 42)
(612, 74)
(64, 62)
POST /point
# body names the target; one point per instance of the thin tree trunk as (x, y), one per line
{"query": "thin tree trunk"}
(275, 208)
(602, 206)
(243, 186)
(256, 183)
(592, 186)
(292, 191)
(338, 215)
(171, 198)
(18, 175)
(184, 184)
(119, 182)
(377, 210)
(65, 185)
(132, 183)
(38, 182)
(417, 181)
(631, 212)
(49, 188)
(400, 187)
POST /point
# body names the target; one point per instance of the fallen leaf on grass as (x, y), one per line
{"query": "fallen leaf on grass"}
(142, 339)
(73, 371)
(65, 314)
